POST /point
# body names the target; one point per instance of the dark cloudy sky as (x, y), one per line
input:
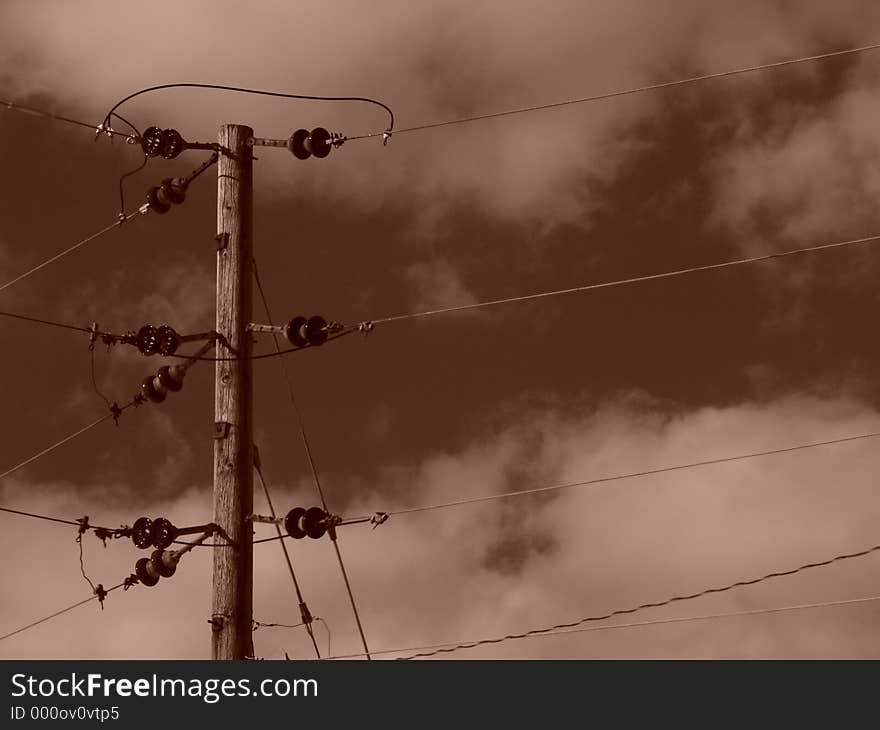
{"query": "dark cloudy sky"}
(456, 406)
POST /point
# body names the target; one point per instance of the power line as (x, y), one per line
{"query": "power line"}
(643, 606)
(39, 517)
(619, 477)
(259, 92)
(113, 414)
(124, 584)
(55, 445)
(632, 280)
(44, 321)
(81, 523)
(624, 92)
(314, 470)
(141, 211)
(98, 129)
(637, 624)
(77, 523)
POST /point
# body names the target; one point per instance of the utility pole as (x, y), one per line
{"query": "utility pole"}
(232, 604)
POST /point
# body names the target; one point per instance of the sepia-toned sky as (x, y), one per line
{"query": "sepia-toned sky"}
(455, 406)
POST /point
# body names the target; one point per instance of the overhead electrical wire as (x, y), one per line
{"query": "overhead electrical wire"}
(39, 517)
(114, 414)
(367, 325)
(631, 280)
(314, 470)
(106, 129)
(644, 606)
(624, 92)
(45, 321)
(259, 92)
(59, 118)
(77, 523)
(638, 624)
(54, 446)
(62, 611)
(74, 247)
(619, 477)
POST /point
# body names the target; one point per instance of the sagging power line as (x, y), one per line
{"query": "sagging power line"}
(654, 604)
(637, 624)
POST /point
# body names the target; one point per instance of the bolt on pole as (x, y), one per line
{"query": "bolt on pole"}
(232, 604)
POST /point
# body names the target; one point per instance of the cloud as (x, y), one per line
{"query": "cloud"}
(446, 61)
(811, 171)
(487, 569)
(438, 285)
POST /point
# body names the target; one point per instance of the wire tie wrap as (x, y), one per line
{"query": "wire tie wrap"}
(101, 593)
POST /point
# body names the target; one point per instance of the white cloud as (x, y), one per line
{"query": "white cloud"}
(444, 60)
(511, 565)
(813, 169)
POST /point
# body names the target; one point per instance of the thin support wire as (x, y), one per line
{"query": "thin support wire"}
(327, 629)
(317, 480)
(133, 171)
(304, 611)
(97, 390)
(260, 625)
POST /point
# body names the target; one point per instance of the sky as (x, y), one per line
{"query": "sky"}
(455, 406)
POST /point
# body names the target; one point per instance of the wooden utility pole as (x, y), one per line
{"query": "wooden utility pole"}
(232, 605)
